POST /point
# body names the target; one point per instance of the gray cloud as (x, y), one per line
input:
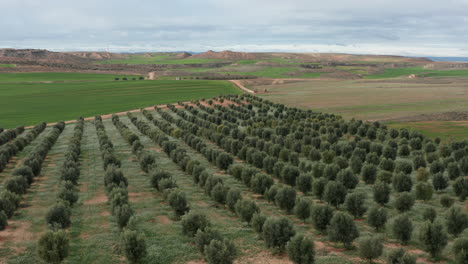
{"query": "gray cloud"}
(417, 27)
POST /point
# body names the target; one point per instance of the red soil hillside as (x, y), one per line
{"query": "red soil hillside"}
(226, 55)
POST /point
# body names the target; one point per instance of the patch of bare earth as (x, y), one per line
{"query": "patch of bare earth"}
(163, 219)
(16, 232)
(98, 199)
(139, 196)
(264, 257)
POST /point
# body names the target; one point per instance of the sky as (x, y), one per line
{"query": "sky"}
(396, 27)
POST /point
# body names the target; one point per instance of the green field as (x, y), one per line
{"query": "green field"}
(57, 77)
(8, 65)
(398, 72)
(446, 130)
(31, 103)
(268, 72)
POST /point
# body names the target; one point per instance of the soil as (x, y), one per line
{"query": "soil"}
(163, 219)
(98, 199)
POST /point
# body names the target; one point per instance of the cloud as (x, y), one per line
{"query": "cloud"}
(417, 27)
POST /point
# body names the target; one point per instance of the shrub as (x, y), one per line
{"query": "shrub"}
(330, 171)
(245, 209)
(456, 220)
(439, 181)
(381, 193)
(403, 150)
(123, 214)
(16, 184)
(277, 232)
(419, 162)
(377, 217)
(370, 248)
(355, 204)
(399, 256)
(219, 193)
(373, 159)
(402, 182)
(402, 228)
(302, 209)
(446, 201)
(453, 170)
(422, 175)
(403, 166)
(7, 205)
(194, 221)
(429, 214)
(348, 178)
(321, 216)
(59, 214)
(424, 191)
(26, 172)
(318, 187)
(178, 201)
(342, 229)
(224, 160)
(436, 167)
(232, 197)
(304, 183)
(220, 252)
(355, 164)
(71, 196)
(335, 193)
(387, 164)
(261, 182)
(3, 220)
(301, 250)
(433, 237)
(285, 198)
(133, 245)
(385, 176)
(53, 246)
(258, 219)
(204, 237)
(289, 174)
(271, 193)
(167, 184)
(460, 187)
(460, 250)
(369, 173)
(404, 202)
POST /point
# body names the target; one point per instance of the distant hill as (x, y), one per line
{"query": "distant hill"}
(449, 59)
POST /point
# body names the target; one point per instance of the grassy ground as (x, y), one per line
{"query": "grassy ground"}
(57, 77)
(446, 130)
(31, 103)
(8, 65)
(398, 72)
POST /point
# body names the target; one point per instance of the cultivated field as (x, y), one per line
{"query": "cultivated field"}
(242, 176)
(390, 99)
(57, 101)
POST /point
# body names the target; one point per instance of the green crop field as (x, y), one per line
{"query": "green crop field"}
(8, 65)
(268, 72)
(57, 77)
(31, 103)
(445, 130)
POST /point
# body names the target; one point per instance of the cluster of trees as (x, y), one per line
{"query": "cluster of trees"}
(11, 148)
(126, 79)
(133, 242)
(377, 166)
(23, 176)
(7, 135)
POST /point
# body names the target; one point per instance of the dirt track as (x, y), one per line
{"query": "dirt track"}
(241, 86)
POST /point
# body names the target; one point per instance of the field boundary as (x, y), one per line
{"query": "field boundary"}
(239, 85)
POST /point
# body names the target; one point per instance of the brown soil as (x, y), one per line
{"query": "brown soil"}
(105, 213)
(446, 116)
(135, 196)
(226, 55)
(265, 257)
(98, 199)
(163, 219)
(16, 232)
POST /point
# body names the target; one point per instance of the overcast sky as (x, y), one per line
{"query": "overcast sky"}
(400, 27)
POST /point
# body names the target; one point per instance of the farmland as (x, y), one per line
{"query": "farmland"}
(248, 169)
(53, 102)
(57, 77)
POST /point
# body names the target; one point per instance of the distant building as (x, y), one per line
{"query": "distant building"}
(177, 78)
